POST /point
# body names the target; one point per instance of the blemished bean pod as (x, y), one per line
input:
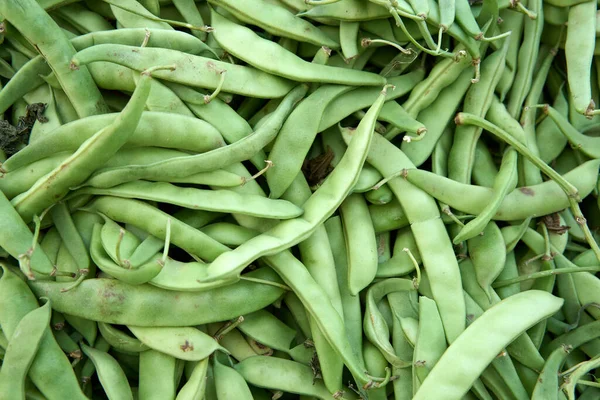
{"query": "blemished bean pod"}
(273, 59)
(450, 379)
(519, 204)
(239, 79)
(184, 343)
(145, 305)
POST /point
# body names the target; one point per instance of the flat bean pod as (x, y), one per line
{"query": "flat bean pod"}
(184, 343)
(115, 302)
(241, 150)
(452, 380)
(518, 204)
(91, 154)
(111, 375)
(154, 221)
(320, 205)
(239, 79)
(287, 24)
(200, 199)
(39, 28)
(154, 129)
(21, 350)
(272, 58)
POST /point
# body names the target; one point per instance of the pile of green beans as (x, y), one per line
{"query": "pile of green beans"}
(299, 199)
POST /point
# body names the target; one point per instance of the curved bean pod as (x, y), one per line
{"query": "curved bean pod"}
(113, 379)
(183, 343)
(272, 58)
(132, 276)
(519, 204)
(154, 221)
(154, 129)
(316, 209)
(50, 371)
(21, 350)
(120, 340)
(277, 21)
(16, 238)
(39, 28)
(296, 136)
(483, 340)
(157, 371)
(89, 156)
(280, 374)
(429, 232)
(579, 53)
(179, 167)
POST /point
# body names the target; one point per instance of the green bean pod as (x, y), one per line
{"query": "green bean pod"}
(184, 343)
(483, 340)
(579, 53)
(519, 204)
(272, 58)
(316, 209)
(113, 379)
(179, 167)
(91, 154)
(239, 79)
(50, 371)
(21, 350)
(145, 305)
(39, 28)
